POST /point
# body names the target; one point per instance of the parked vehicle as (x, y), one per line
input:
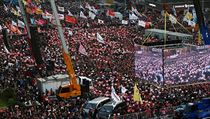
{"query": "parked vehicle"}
(111, 108)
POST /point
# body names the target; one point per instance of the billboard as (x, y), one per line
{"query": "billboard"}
(173, 66)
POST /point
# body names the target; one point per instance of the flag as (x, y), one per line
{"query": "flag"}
(38, 1)
(88, 6)
(24, 2)
(70, 33)
(109, 1)
(15, 29)
(18, 8)
(94, 10)
(142, 23)
(82, 15)
(70, 19)
(1, 28)
(6, 50)
(69, 13)
(40, 22)
(28, 10)
(118, 15)
(82, 50)
(132, 16)
(136, 95)
(134, 10)
(123, 89)
(188, 16)
(39, 11)
(172, 19)
(88, 25)
(174, 11)
(194, 15)
(92, 15)
(99, 38)
(5, 8)
(61, 16)
(125, 22)
(14, 23)
(81, 7)
(100, 21)
(16, 13)
(114, 96)
(21, 24)
(61, 9)
(48, 15)
(110, 13)
(32, 20)
(191, 23)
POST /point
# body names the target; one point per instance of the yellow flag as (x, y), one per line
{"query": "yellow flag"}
(109, 1)
(136, 95)
(39, 11)
(189, 16)
(24, 2)
(37, 1)
(16, 13)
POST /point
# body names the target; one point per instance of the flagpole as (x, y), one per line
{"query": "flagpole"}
(24, 18)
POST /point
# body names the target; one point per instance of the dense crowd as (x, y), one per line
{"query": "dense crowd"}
(107, 64)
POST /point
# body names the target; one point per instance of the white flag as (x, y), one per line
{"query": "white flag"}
(118, 15)
(100, 21)
(0, 27)
(191, 23)
(6, 50)
(70, 33)
(61, 9)
(14, 23)
(81, 7)
(48, 15)
(82, 15)
(172, 19)
(123, 89)
(18, 8)
(61, 16)
(99, 38)
(82, 50)
(174, 11)
(69, 13)
(135, 11)
(124, 22)
(94, 10)
(21, 24)
(142, 23)
(5, 8)
(88, 6)
(92, 15)
(114, 96)
(132, 16)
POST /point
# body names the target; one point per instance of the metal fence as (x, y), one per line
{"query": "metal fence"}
(163, 113)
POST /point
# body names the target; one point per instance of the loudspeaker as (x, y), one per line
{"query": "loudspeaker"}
(35, 45)
(5, 38)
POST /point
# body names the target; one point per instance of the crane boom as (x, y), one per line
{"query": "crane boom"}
(73, 89)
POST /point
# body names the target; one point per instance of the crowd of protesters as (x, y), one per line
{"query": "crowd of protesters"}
(107, 64)
(191, 66)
